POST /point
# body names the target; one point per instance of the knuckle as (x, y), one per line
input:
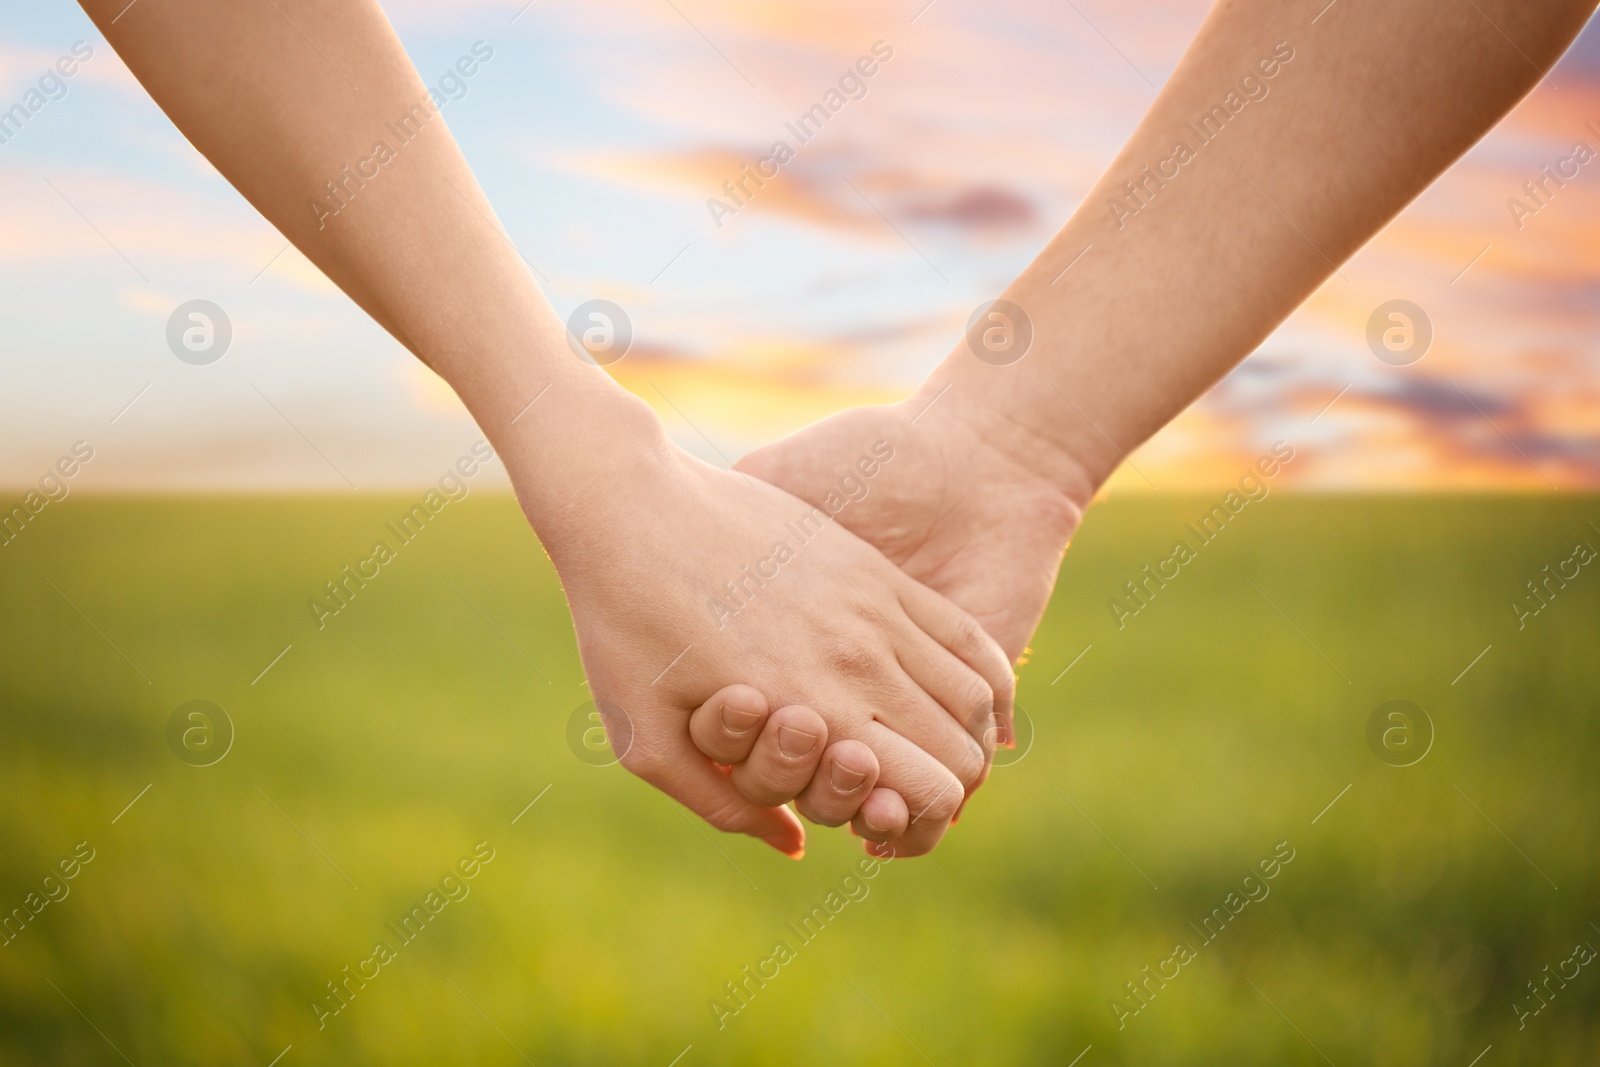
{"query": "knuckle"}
(708, 738)
(977, 697)
(763, 785)
(797, 717)
(971, 772)
(764, 795)
(850, 660)
(819, 813)
(969, 636)
(719, 750)
(864, 609)
(984, 728)
(942, 808)
(861, 610)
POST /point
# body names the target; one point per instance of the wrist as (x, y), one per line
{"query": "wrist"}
(983, 410)
(583, 449)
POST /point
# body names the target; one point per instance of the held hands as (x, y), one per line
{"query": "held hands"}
(842, 643)
(863, 695)
(966, 509)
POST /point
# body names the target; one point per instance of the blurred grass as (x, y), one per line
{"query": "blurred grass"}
(1218, 723)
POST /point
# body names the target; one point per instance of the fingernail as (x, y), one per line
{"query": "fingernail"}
(844, 779)
(795, 743)
(739, 720)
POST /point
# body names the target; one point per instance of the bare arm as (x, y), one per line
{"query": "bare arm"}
(1277, 149)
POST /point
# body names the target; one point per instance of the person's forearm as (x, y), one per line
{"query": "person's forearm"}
(313, 111)
(1216, 242)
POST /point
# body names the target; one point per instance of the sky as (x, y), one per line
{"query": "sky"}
(600, 130)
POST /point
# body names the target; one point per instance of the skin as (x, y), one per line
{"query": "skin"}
(998, 463)
(844, 644)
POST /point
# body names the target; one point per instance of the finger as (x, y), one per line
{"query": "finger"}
(919, 719)
(843, 781)
(932, 794)
(969, 642)
(908, 708)
(963, 693)
(784, 757)
(726, 726)
(883, 816)
(669, 761)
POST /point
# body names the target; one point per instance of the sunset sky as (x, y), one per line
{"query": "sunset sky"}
(600, 130)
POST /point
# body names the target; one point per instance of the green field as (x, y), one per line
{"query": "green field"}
(1178, 752)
